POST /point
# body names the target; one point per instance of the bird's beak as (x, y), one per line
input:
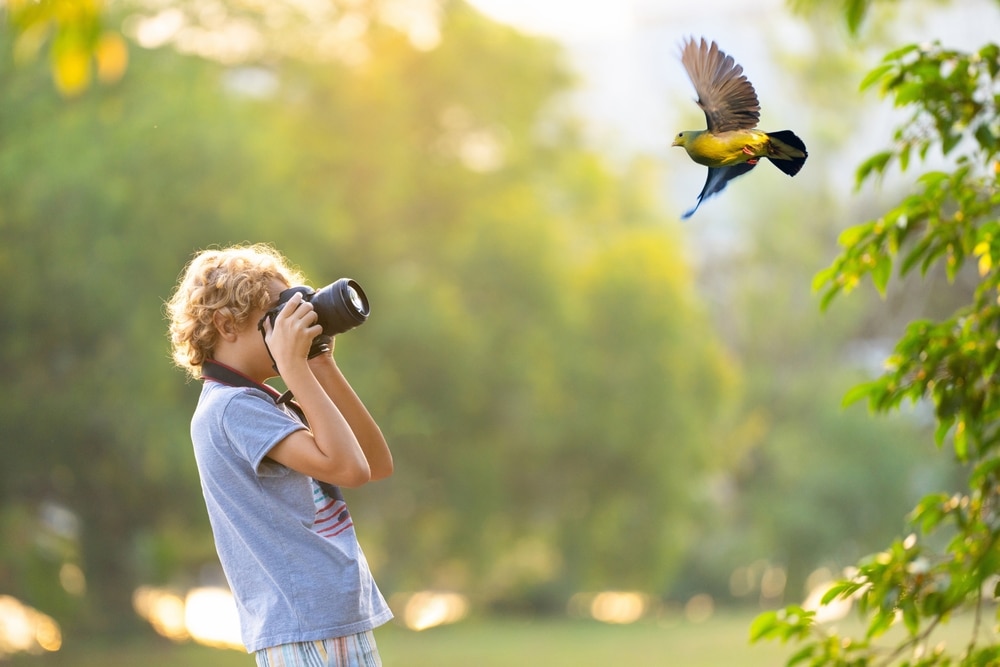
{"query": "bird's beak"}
(677, 142)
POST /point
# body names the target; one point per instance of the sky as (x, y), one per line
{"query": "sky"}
(635, 94)
(627, 50)
(589, 20)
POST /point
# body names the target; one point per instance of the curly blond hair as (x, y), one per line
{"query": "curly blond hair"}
(233, 281)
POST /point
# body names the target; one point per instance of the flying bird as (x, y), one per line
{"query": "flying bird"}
(730, 147)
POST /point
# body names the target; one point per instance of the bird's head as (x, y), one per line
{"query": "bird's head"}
(682, 138)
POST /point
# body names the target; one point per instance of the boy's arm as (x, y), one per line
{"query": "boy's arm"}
(329, 450)
(368, 433)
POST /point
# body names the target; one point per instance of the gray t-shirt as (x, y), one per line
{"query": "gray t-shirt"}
(286, 542)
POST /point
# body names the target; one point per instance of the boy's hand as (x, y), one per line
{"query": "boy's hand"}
(291, 337)
(322, 346)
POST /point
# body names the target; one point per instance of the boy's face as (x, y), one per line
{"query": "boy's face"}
(274, 289)
(250, 337)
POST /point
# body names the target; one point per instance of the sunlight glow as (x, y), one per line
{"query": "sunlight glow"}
(163, 609)
(618, 607)
(26, 630)
(825, 613)
(72, 579)
(419, 19)
(210, 618)
(761, 577)
(155, 31)
(566, 19)
(818, 583)
(700, 608)
(303, 27)
(772, 583)
(476, 147)
(615, 607)
(428, 609)
(205, 615)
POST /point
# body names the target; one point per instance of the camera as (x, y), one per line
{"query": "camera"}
(340, 306)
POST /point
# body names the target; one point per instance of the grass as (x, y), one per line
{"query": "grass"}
(569, 643)
(493, 642)
(479, 643)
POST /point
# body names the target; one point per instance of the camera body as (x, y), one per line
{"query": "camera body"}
(340, 306)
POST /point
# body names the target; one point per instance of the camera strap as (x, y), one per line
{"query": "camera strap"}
(263, 337)
(213, 370)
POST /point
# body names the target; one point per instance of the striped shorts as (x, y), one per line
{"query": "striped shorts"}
(352, 651)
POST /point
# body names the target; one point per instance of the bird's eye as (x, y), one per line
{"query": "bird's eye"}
(680, 134)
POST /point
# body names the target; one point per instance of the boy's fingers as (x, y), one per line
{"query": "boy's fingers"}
(290, 306)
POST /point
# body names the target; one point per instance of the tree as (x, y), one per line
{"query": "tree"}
(947, 564)
(503, 258)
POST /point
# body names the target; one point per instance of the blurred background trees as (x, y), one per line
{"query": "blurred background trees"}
(575, 400)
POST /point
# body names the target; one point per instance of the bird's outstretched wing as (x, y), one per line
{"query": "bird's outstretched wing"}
(724, 93)
(718, 179)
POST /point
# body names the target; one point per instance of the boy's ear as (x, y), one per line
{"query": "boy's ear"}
(225, 325)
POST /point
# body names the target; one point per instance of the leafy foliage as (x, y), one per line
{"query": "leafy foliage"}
(78, 41)
(952, 364)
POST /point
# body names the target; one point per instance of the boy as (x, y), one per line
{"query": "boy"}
(270, 469)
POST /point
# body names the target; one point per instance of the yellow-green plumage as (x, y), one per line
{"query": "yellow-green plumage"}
(725, 149)
(730, 146)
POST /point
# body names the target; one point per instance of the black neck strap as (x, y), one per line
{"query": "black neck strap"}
(213, 370)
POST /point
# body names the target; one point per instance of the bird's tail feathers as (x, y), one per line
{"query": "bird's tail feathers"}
(788, 152)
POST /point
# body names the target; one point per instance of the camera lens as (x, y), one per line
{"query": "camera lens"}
(341, 306)
(356, 300)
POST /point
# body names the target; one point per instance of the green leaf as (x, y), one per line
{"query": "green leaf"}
(933, 179)
(823, 277)
(830, 295)
(916, 254)
(934, 604)
(900, 52)
(984, 470)
(991, 56)
(875, 75)
(908, 93)
(904, 156)
(881, 622)
(855, 11)
(961, 441)
(911, 617)
(764, 626)
(987, 655)
(842, 589)
(987, 140)
(949, 140)
(859, 392)
(801, 656)
(929, 511)
(852, 235)
(876, 163)
(881, 273)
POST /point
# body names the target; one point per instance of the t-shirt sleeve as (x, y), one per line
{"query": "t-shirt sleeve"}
(254, 425)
